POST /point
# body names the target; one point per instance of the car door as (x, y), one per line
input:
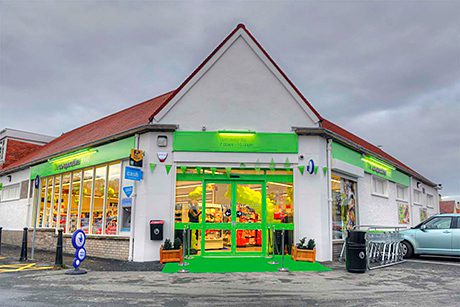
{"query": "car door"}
(456, 238)
(435, 236)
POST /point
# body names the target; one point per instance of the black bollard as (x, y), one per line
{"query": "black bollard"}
(24, 245)
(1, 240)
(59, 262)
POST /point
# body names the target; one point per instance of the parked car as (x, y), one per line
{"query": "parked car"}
(438, 235)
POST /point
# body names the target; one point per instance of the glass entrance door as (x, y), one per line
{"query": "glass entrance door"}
(234, 218)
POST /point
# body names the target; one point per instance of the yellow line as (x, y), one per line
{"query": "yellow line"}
(8, 268)
(26, 266)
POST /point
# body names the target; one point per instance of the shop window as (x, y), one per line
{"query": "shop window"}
(379, 186)
(430, 201)
(24, 189)
(65, 192)
(111, 210)
(49, 201)
(98, 200)
(55, 201)
(417, 197)
(42, 208)
(344, 206)
(401, 192)
(188, 201)
(11, 192)
(86, 199)
(280, 202)
(75, 201)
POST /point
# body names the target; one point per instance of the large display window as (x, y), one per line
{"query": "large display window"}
(344, 206)
(83, 199)
(233, 211)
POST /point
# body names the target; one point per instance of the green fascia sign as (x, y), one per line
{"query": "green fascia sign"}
(235, 141)
(352, 157)
(84, 158)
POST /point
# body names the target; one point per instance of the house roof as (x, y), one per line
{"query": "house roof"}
(144, 112)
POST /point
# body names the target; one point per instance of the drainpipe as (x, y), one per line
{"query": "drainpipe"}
(411, 202)
(133, 209)
(329, 193)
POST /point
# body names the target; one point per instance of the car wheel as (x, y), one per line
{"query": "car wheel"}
(407, 250)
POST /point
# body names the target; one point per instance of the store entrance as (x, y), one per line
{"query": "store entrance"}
(234, 221)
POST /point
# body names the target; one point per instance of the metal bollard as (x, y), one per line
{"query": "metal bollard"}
(1, 240)
(183, 269)
(24, 245)
(273, 261)
(59, 261)
(282, 268)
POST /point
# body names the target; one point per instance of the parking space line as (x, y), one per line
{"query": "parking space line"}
(433, 262)
(18, 267)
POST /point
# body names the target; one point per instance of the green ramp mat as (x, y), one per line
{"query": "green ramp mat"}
(243, 264)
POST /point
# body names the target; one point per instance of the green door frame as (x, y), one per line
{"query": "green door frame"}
(234, 225)
(262, 178)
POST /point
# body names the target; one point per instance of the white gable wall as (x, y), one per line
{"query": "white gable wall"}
(239, 91)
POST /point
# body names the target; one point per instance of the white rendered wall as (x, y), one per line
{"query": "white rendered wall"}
(15, 214)
(238, 92)
(155, 199)
(312, 216)
(417, 207)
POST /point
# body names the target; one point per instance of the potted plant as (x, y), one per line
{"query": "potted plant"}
(171, 252)
(304, 251)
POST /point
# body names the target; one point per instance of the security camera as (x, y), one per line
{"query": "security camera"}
(301, 157)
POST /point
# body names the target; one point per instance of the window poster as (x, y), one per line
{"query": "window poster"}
(403, 213)
(344, 206)
(423, 214)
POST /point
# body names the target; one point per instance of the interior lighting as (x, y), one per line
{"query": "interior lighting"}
(237, 133)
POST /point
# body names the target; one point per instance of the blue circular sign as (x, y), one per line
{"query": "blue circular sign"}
(78, 239)
(76, 263)
(311, 166)
(37, 182)
(80, 254)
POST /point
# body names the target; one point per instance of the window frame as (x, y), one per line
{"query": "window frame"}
(451, 225)
(385, 186)
(2, 150)
(355, 181)
(404, 189)
(430, 196)
(18, 184)
(419, 202)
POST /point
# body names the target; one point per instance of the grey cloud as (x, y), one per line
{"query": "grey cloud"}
(390, 72)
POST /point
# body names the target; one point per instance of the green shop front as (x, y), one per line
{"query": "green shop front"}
(235, 209)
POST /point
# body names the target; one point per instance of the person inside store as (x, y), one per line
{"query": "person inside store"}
(194, 217)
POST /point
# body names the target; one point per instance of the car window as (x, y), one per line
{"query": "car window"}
(439, 223)
(458, 222)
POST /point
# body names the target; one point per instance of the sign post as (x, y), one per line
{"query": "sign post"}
(35, 215)
(78, 242)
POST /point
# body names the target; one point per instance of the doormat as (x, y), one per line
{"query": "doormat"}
(239, 264)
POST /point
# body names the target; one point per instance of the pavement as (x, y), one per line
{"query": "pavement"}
(423, 281)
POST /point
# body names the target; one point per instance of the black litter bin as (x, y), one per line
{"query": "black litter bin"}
(356, 258)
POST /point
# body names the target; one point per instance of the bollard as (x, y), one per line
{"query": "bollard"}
(24, 245)
(189, 242)
(273, 231)
(282, 268)
(1, 240)
(59, 261)
(184, 244)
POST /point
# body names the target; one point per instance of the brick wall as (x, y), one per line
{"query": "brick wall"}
(96, 246)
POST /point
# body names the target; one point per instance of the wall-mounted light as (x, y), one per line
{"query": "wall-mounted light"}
(237, 133)
(9, 178)
(162, 141)
(72, 156)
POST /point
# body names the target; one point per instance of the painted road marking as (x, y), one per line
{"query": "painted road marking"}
(433, 262)
(18, 267)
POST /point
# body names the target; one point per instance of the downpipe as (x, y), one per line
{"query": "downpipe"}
(329, 193)
(133, 209)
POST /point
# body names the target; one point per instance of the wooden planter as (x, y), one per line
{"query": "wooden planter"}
(172, 255)
(303, 254)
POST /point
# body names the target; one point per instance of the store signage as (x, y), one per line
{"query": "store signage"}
(128, 191)
(235, 141)
(162, 156)
(136, 157)
(37, 182)
(132, 173)
(126, 202)
(66, 165)
(78, 242)
(380, 171)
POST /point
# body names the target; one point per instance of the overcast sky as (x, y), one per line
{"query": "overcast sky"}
(387, 71)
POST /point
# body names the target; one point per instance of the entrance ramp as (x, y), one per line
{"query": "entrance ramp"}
(243, 264)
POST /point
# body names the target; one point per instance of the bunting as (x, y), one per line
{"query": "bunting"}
(301, 168)
(152, 167)
(168, 168)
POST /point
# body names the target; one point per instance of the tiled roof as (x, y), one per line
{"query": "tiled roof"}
(121, 121)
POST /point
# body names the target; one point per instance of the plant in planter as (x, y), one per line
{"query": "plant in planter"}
(170, 252)
(304, 251)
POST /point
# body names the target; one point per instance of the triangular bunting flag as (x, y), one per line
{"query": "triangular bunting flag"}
(325, 170)
(228, 170)
(213, 170)
(183, 169)
(257, 166)
(316, 170)
(301, 168)
(168, 168)
(272, 165)
(152, 166)
(198, 170)
(287, 164)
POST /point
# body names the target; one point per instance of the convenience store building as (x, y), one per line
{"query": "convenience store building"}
(234, 152)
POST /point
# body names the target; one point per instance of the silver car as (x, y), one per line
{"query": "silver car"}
(438, 235)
